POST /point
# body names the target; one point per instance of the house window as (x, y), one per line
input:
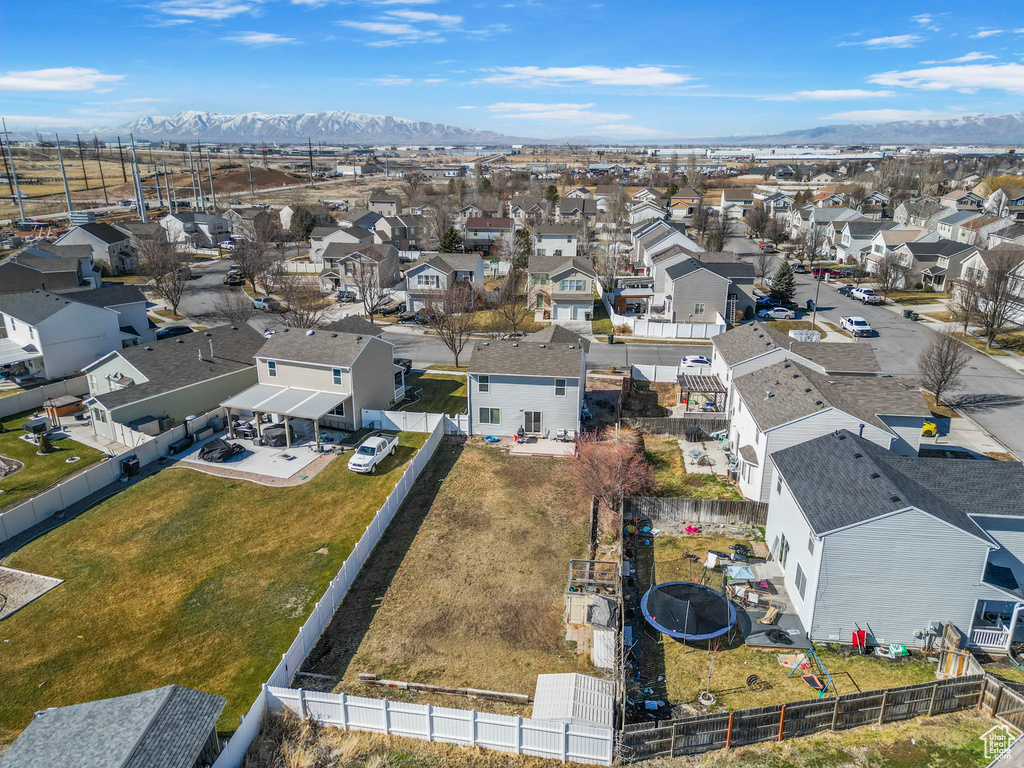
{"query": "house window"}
(99, 415)
(490, 416)
(801, 581)
(573, 285)
(338, 410)
(427, 281)
(559, 387)
(698, 309)
(778, 486)
(337, 376)
(810, 544)
(483, 383)
(540, 301)
(399, 379)
(272, 368)
(782, 549)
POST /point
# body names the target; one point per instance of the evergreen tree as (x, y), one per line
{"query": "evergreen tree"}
(783, 287)
(522, 249)
(485, 185)
(672, 189)
(451, 241)
(551, 194)
(302, 224)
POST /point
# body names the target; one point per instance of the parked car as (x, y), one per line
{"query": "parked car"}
(696, 360)
(406, 317)
(391, 308)
(845, 290)
(856, 326)
(172, 331)
(405, 363)
(227, 245)
(865, 296)
(234, 269)
(777, 313)
(219, 450)
(233, 280)
(372, 452)
(267, 304)
(347, 297)
(799, 268)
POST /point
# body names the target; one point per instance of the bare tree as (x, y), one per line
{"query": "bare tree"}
(253, 257)
(609, 260)
(411, 184)
(700, 219)
(610, 466)
(757, 219)
(168, 269)
(448, 315)
(511, 312)
(720, 229)
(234, 308)
(963, 303)
(440, 214)
(891, 274)
(941, 363)
(774, 230)
(764, 265)
(305, 303)
(693, 175)
(372, 291)
(999, 295)
(809, 243)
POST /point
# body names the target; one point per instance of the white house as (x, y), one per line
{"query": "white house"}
(321, 237)
(533, 385)
(561, 286)
(555, 239)
(198, 230)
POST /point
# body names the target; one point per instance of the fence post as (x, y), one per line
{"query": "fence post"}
(881, 709)
(474, 726)
(998, 701)
(430, 722)
(935, 690)
(728, 733)
(302, 703)
(835, 714)
(565, 742)
(344, 711)
(782, 721)
(519, 735)
(387, 716)
(672, 743)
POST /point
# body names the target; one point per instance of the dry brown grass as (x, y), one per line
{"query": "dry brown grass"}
(472, 594)
(938, 410)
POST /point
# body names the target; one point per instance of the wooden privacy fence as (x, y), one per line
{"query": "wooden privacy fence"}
(675, 426)
(694, 735)
(687, 510)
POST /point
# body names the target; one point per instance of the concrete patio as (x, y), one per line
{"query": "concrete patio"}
(719, 462)
(280, 463)
(535, 446)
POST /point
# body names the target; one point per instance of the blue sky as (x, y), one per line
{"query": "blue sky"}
(539, 68)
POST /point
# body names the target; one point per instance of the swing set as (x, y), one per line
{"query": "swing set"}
(817, 676)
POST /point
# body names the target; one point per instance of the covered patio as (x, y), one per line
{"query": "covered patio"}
(19, 363)
(701, 394)
(278, 405)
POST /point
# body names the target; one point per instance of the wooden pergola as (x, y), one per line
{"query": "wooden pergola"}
(709, 386)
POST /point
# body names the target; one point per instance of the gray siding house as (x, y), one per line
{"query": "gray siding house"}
(429, 276)
(536, 385)
(701, 290)
(898, 546)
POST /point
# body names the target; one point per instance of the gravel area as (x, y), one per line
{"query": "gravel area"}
(18, 589)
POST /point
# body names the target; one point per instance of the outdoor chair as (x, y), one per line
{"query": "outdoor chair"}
(770, 616)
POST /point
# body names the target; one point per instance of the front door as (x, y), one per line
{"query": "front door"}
(532, 421)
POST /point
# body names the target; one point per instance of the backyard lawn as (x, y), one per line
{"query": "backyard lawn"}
(39, 472)
(183, 578)
(672, 479)
(467, 588)
(601, 323)
(438, 393)
(687, 664)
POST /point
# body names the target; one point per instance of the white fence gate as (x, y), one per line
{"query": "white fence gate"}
(31, 399)
(309, 633)
(523, 736)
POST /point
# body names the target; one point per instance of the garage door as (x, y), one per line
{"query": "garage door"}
(579, 312)
(563, 312)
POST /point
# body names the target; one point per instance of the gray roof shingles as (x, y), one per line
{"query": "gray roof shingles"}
(750, 340)
(316, 347)
(526, 358)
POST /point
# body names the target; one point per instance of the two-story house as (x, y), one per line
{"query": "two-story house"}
(195, 230)
(977, 231)
(321, 215)
(684, 202)
(965, 514)
(786, 403)
(386, 205)
(536, 386)
(886, 241)
(571, 210)
(481, 233)
(949, 225)
(348, 264)
(321, 237)
(405, 232)
(920, 212)
(111, 249)
(429, 276)
(855, 238)
(707, 287)
(645, 211)
(976, 265)
(555, 239)
(527, 211)
(932, 260)
(962, 200)
(251, 222)
(735, 202)
(561, 287)
(655, 236)
(152, 387)
(314, 379)
(54, 268)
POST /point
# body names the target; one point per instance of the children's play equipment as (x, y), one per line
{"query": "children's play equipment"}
(816, 675)
(688, 611)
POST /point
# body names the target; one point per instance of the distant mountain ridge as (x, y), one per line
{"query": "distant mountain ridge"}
(348, 127)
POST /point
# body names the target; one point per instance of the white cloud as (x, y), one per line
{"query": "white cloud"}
(467, 106)
(972, 56)
(393, 80)
(211, 10)
(830, 95)
(56, 79)
(435, 80)
(398, 32)
(1002, 77)
(893, 41)
(32, 121)
(259, 38)
(883, 115)
(437, 18)
(927, 21)
(638, 131)
(584, 75)
(578, 113)
(403, 2)
(988, 32)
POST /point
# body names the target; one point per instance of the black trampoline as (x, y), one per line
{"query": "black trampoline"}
(688, 611)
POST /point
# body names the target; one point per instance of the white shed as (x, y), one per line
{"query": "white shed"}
(573, 698)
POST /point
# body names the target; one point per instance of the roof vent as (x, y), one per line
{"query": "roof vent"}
(310, 332)
(542, 346)
(207, 334)
(768, 394)
(514, 344)
(572, 346)
(181, 341)
(149, 349)
(894, 498)
(818, 402)
(858, 455)
(807, 389)
(234, 327)
(358, 339)
(334, 335)
(875, 475)
(487, 343)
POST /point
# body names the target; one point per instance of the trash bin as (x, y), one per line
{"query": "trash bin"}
(908, 314)
(587, 316)
(810, 305)
(914, 316)
(611, 338)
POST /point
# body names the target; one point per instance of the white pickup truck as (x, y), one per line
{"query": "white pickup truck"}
(371, 452)
(856, 326)
(865, 296)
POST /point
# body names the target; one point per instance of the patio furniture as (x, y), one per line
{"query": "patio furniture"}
(770, 616)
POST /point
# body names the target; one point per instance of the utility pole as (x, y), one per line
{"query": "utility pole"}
(139, 197)
(252, 189)
(64, 175)
(81, 159)
(167, 188)
(156, 181)
(120, 152)
(310, 140)
(209, 171)
(7, 167)
(14, 173)
(99, 162)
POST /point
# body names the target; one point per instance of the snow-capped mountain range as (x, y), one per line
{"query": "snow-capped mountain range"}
(350, 127)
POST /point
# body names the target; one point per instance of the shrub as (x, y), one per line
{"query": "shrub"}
(623, 330)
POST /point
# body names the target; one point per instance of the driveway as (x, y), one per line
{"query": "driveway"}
(992, 393)
(206, 290)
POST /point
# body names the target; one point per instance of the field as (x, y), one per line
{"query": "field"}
(467, 587)
(182, 578)
(438, 393)
(39, 472)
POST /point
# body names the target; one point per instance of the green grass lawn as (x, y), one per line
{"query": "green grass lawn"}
(672, 479)
(439, 393)
(918, 297)
(487, 321)
(183, 578)
(39, 472)
(600, 323)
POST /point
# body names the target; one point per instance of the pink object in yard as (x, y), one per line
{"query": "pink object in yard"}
(692, 529)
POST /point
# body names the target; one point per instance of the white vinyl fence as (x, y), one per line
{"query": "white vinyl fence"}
(31, 399)
(46, 504)
(656, 373)
(523, 736)
(654, 329)
(410, 421)
(309, 633)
